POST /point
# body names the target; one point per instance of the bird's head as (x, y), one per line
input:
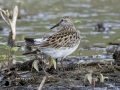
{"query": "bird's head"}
(65, 21)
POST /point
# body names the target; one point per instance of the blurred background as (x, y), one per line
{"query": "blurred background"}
(100, 22)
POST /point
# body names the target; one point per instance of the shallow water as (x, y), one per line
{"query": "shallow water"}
(37, 16)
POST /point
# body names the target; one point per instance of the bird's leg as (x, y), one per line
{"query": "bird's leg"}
(57, 67)
(62, 64)
(56, 60)
(52, 69)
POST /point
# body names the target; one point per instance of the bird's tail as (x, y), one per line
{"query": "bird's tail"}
(34, 41)
(30, 41)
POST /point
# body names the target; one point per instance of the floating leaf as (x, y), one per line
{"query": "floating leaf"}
(14, 49)
(5, 47)
(44, 60)
(54, 63)
(77, 21)
(101, 77)
(50, 62)
(78, 31)
(35, 65)
(88, 77)
(2, 57)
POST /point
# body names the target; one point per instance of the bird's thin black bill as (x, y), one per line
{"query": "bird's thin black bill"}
(54, 26)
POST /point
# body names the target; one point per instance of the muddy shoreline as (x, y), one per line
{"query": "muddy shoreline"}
(23, 76)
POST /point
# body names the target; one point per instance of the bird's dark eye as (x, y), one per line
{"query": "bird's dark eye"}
(62, 20)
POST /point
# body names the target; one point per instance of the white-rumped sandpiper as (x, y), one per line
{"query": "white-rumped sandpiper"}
(60, 44)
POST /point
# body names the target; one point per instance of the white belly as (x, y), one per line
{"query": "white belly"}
(59, 53)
